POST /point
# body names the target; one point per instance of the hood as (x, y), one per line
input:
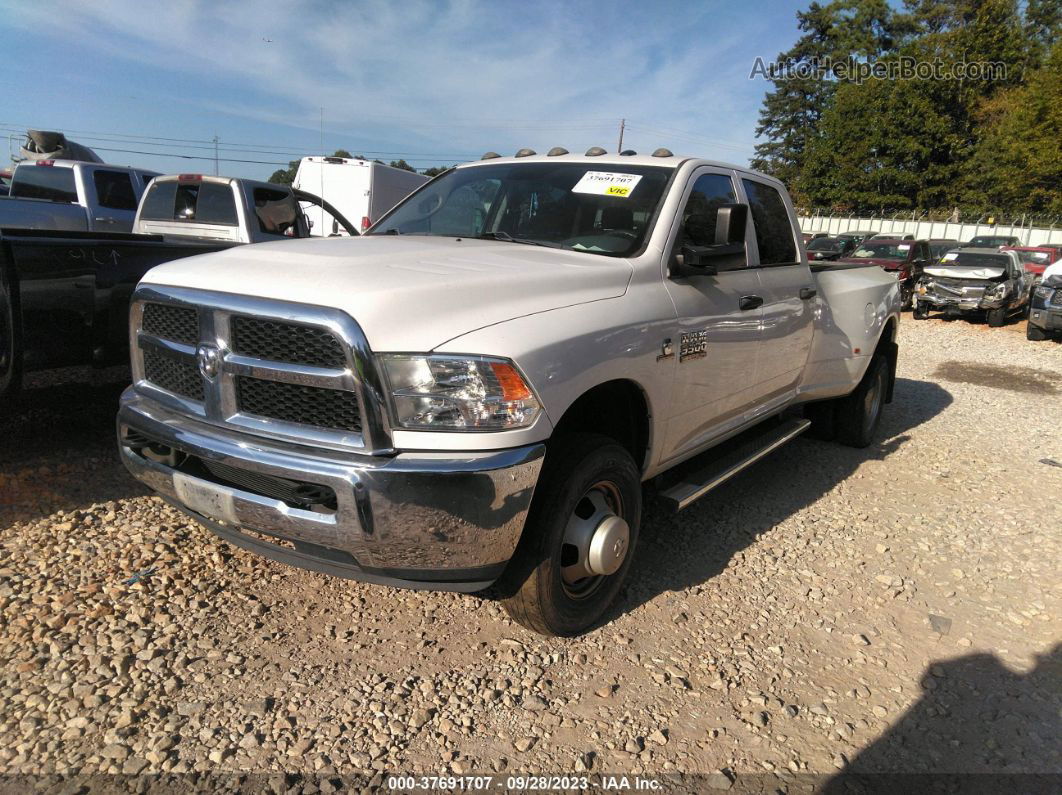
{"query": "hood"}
(408, 294)
(960, 272)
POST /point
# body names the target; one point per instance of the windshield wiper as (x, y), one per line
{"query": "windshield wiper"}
(506, 237)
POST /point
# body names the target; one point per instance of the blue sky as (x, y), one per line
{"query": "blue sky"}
(433, 82)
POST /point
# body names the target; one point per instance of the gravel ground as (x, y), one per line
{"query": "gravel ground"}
(890, 609)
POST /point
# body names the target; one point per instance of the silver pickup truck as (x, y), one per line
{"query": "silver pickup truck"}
(73, 196)
(475, 392)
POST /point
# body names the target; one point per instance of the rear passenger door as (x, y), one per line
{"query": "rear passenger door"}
(114, 207)
(787, 291)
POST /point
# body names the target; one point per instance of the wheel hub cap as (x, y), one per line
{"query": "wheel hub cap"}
(608, 547)
(596, 540)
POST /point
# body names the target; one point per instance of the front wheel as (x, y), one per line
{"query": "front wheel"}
(906, 297)
(580, 536)
(920, 310)
(997, 317)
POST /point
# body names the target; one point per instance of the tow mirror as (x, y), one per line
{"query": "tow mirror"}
(726, 253)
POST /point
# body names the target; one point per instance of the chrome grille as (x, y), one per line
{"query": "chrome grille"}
(177, 375)
(277, 341)
(1056, 299)
(305, 405)
(177, 323)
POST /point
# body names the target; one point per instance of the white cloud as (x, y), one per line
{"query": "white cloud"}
(465, 75)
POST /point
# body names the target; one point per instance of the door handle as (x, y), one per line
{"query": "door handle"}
(105, 220)
(747, 302)
(807, 292)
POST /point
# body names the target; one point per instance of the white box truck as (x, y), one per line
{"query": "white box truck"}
(360, 189)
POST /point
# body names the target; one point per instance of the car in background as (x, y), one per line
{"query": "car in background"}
(856, 235)
(906, 259)
(938, 247)
(807, 237)
(829, 248)
(974, 281)
(5, 182)
(1045, 305)
(1037, 258)
(992, 241)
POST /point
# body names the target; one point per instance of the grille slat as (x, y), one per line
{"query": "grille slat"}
(177, 375)
(1056, 299)
(176, 323)
(305, 405)
(286, 342)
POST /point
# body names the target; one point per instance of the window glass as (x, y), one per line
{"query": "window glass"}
(158, 202)
(607, 210)
(114, 189)
(199, 202)
(710, 192)
(277, 212)
(774, 232)
(45, 182)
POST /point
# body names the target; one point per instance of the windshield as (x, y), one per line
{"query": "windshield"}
(938, 250)
(1035, 257)
(825, 244)
(968, 259)
(987, 241)
(873, 249)
(606, 209)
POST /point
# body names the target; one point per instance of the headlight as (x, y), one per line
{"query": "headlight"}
(449, 393)
(996, 290)
(1043, 292)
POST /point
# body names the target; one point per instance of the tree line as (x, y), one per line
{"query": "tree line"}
(983, 144)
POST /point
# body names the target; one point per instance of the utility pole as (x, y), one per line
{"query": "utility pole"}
(215, 154)
(322, 133)
(623, 124)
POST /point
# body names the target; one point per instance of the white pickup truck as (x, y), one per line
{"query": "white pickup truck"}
(474, 393)
(73, 196)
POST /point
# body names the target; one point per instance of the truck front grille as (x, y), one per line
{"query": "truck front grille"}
(1056, 299)
(277, 341)
(177, 323)
(305, 405)
(178, 375)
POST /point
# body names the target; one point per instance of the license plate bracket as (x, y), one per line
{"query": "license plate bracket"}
(209, 499)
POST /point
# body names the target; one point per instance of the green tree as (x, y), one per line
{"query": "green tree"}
(402, 164)
(435, 171)
(835, 32)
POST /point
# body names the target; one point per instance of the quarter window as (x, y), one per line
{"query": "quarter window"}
(114, 189)
(774, 232)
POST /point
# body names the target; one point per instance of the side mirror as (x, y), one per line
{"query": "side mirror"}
(726, 253)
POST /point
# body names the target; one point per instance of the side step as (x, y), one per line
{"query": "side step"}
(751, 449)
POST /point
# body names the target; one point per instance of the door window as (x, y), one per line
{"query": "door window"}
(114, 189)
(774, 232)
(709, 193)
(277, 212)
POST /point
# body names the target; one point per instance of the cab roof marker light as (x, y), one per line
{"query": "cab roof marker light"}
(627, 153)
(663, 152)
(595, 151)
(557, 150)
(489, 155)
(525, 153)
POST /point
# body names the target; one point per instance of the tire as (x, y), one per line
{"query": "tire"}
(1035, 334)
(10, 360)
(543, 590)
(858, 415)
(906, 297)
(997, 317)
(920, 311)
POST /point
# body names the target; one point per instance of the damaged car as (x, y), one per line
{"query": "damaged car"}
(974, 281)
(1045, 310)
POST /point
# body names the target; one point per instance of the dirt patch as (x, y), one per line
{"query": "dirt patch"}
(1012, 379)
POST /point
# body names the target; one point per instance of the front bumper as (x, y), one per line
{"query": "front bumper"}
(444, 521)
(1048, 318)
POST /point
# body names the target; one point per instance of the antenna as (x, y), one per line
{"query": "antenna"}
(623, 124)
(322, 132)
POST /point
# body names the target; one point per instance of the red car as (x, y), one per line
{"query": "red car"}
(905, 258)
(1037, 258)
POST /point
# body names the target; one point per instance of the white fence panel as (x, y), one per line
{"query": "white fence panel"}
(931, 230)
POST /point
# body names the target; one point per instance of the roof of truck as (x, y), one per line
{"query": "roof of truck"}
(614, 159)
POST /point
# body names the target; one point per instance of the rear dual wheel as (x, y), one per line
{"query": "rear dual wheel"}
(581, 531)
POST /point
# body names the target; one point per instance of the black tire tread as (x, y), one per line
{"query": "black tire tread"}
(849, 412)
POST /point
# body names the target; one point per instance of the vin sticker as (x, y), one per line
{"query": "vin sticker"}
(607, 183)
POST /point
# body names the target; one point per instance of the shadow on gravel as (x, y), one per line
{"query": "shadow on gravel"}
(978, 727)
(680, 551)
(57, 445)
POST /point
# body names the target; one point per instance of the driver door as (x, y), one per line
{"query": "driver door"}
(716, 338)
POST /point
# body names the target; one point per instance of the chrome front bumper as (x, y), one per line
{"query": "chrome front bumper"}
(446, 521)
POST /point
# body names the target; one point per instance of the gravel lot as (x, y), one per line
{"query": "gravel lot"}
(890, 609)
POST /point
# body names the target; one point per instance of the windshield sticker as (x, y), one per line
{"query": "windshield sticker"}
(904, 248)
(607, 183)
(950, 256)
